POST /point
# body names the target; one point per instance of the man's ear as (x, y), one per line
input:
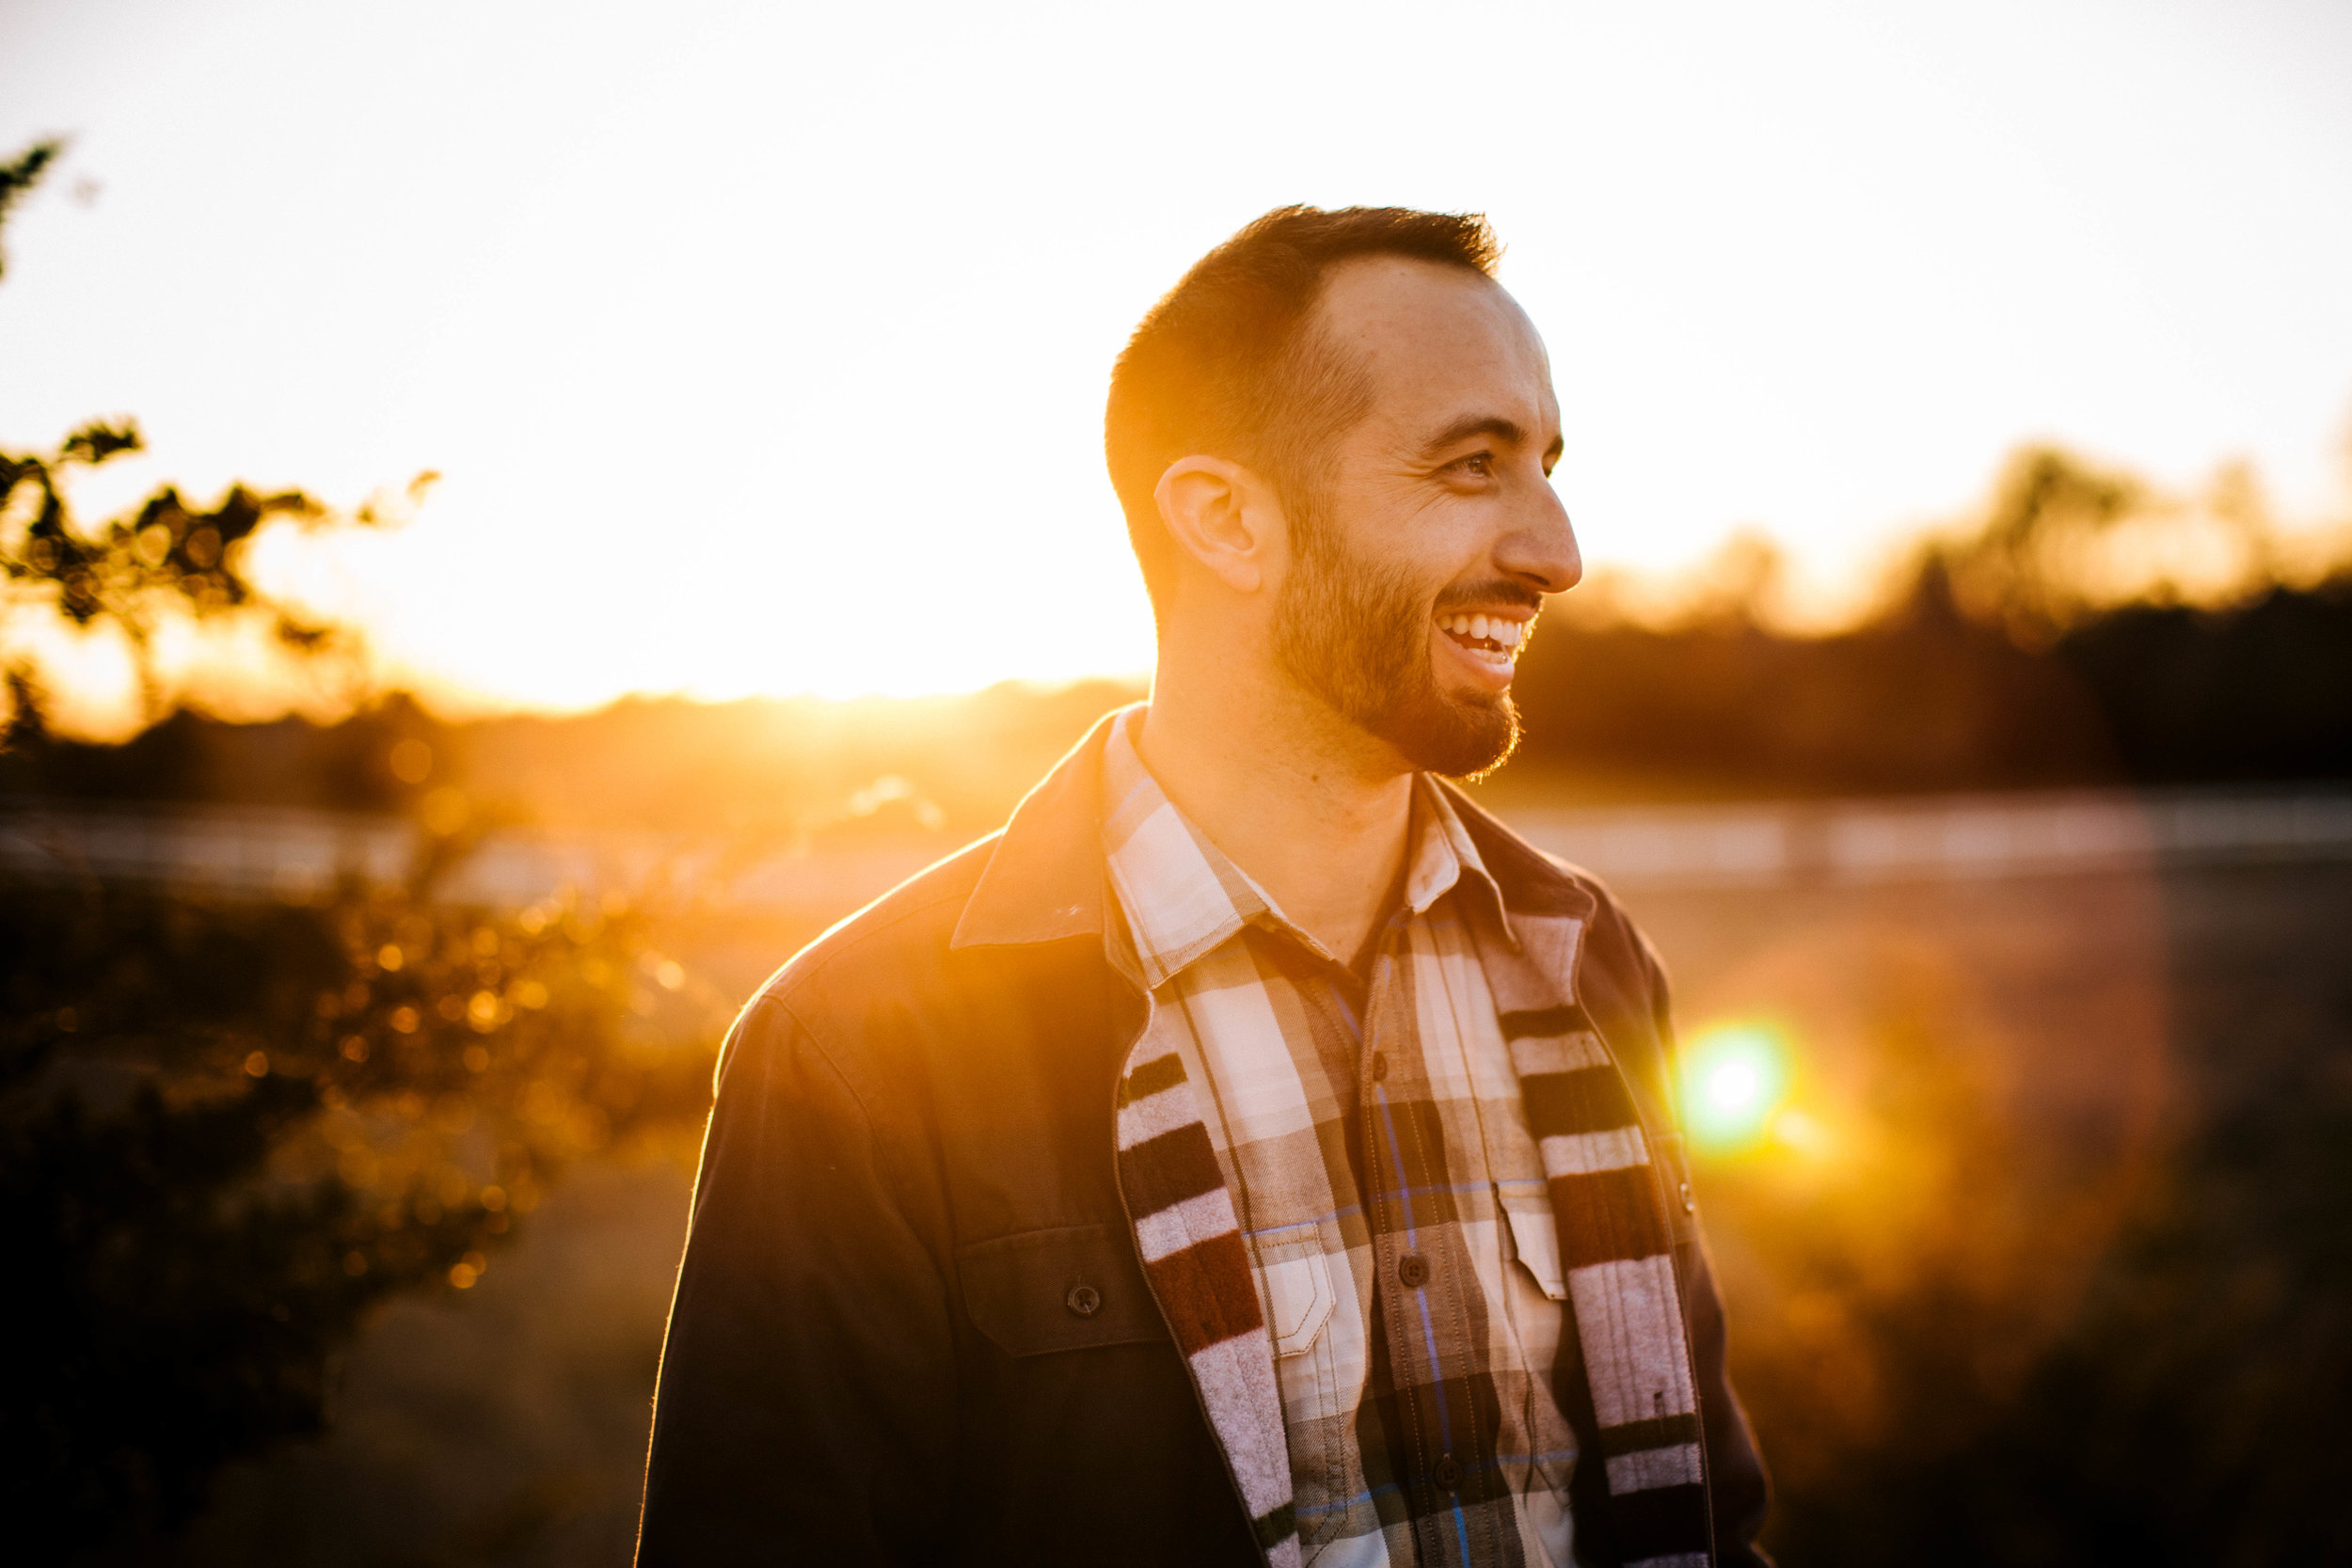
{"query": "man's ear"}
(1223, 516)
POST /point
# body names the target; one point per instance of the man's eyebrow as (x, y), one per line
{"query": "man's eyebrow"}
(1509, 432)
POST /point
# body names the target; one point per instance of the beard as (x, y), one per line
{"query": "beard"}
(1355, 633)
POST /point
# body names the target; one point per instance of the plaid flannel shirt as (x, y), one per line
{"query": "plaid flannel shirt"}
(1390, 1196)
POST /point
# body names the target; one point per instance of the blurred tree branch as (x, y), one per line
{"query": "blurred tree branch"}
(170, 558)
(18, 177)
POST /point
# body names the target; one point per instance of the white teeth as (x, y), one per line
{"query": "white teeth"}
(1481, 628)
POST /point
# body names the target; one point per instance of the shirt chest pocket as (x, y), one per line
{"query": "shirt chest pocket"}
(1294, 1283)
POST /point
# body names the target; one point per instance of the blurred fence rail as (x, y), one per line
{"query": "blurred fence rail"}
(1945, 838)
(295, 854)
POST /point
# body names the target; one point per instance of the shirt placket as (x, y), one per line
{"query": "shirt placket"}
(1421, 1272)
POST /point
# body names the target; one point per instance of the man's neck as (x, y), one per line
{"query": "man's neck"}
(1315, 811)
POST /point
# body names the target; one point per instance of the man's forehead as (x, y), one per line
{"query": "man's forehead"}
(1431, 334)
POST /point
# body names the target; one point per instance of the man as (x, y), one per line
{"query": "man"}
(1254, 1153)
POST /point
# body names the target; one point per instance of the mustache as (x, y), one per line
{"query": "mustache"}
(1498, 591)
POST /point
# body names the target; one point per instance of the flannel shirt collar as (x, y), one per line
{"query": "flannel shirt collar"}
(1045, 880)
(1183, 898)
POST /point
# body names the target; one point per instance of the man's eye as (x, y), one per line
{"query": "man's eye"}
(1483, 465)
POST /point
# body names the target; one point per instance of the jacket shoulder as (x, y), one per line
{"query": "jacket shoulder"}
(909, 926)
(884, 949)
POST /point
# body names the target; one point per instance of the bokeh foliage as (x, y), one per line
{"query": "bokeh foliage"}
(227, 1130)
(1961, 1364)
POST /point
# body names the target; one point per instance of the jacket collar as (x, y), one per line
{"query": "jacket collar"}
(1046, 878)
(1044, 881)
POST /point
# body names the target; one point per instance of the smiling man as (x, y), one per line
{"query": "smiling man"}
(1255, 1152)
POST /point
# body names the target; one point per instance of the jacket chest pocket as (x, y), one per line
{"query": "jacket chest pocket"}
(1072, 1288)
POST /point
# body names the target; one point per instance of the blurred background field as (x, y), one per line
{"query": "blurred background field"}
(2038, 1263)
(2021, 1112)
(1961, 695)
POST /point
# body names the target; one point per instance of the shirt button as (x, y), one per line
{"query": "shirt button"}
(1690, 1205)
(1448, 1474)
(1379, 1066)
(1412, 1271)
(1083, 1300)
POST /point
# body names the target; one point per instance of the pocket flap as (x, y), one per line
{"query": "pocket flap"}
(1068, 1288)
(1295, 1280)
(1535, 1238)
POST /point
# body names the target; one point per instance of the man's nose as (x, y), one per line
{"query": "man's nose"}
(1541, 550)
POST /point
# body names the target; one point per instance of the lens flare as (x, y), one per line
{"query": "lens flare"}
(1734, 1077)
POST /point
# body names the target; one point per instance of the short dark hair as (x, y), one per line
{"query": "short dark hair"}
(1221, 367)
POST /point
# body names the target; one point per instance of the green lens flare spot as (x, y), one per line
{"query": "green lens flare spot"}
(1734, 1077)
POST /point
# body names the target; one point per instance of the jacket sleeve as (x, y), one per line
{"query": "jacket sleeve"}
(805, 1407)
(1739, 1495)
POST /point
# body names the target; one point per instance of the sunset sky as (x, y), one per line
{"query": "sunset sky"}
(763, 347)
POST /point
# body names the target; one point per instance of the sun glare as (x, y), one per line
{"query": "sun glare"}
(1735, 1077)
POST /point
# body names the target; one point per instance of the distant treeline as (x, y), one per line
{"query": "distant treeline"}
(2004, 658)
(1991, 666)
(1923, 698)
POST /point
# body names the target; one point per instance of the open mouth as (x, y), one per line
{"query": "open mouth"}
(1493, 641)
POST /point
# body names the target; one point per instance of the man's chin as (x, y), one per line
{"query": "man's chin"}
(1459, 737)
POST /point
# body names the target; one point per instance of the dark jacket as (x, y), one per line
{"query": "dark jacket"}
(871, 1358)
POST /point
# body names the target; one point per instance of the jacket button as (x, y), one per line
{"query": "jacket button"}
(1379, 1067)
(1083, 1300)
(1412, 1271)
(1689, 1204)
(1448, 1474)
